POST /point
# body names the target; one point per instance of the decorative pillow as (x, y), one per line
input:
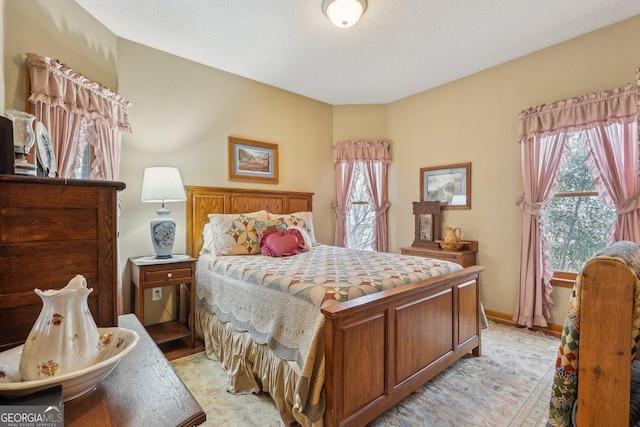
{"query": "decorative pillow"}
(281, 243)
(303, 220)
(270, 224)
(235, 234)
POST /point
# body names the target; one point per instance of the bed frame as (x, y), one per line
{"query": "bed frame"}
(604, 368)
(408, 334)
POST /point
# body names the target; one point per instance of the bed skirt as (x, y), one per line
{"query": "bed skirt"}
(253, 368)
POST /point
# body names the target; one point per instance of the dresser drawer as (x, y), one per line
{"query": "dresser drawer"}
(465, 258)
(167, 275)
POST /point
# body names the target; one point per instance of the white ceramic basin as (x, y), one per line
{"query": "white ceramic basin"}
(115, 343)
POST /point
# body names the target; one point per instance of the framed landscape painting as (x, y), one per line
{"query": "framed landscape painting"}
(253, 160)
(450, 185)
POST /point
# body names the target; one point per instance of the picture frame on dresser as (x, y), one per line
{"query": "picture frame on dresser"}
(428, 223)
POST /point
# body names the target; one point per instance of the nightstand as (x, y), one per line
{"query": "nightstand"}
(465, 257)
(150, 272)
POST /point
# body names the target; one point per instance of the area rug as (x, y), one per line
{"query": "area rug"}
(509, 385)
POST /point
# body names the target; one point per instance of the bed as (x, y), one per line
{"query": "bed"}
(361, 356)
(597, 379)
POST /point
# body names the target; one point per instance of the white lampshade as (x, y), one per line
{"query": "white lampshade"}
(162, 184)
(344, 13)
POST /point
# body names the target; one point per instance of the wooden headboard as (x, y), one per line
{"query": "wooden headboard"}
(202, 201)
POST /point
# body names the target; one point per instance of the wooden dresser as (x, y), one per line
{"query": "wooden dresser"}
(50, 230)
(465, 257)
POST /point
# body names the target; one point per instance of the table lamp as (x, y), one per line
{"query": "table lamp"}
(162, 184)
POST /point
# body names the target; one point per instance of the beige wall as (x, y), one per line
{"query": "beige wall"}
(59, 29)
(183, 113)
(475, 119)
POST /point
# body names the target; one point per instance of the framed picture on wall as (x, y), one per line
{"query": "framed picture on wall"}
(427, 223)
(450, 185)
(253, 160)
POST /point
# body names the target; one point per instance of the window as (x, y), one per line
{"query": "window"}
(360, 221)
(607, 123)
(83, 171)
(361, 194)
(576, 223)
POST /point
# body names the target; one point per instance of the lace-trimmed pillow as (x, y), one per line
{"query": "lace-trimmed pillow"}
(281, 243)
(235, 234)
(279, 224)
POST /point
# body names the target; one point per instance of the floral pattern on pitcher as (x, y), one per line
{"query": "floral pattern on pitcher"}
(57, 319)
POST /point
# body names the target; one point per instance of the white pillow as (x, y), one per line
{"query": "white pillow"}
(305, 236)
(207, 235)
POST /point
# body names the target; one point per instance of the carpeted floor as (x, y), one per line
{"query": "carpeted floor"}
(508, 386)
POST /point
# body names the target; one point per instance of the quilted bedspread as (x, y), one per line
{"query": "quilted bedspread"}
(565, 382)
(278, 300)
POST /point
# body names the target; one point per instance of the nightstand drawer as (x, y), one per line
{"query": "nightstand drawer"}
(166, 275)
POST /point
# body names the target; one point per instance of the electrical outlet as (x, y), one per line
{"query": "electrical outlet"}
(156, 294)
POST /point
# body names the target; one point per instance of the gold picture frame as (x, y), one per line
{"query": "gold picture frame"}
(450, 185)
(254, 161)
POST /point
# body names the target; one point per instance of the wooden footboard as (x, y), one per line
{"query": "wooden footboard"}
(382, 347)
(599, 340)
(605, 350)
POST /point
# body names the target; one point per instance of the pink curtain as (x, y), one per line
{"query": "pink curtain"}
(542, 134)
(542, 158)
(612, 157)
(64, 129)
(342, 204)
(375, 157)
(107, 142)
(376, 174)
(77, 111)
(68, 103)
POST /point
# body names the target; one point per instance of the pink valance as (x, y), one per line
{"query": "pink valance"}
(365, 150)
(54, 83)
(575, 113)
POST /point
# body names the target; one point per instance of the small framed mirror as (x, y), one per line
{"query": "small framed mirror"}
(427, 223)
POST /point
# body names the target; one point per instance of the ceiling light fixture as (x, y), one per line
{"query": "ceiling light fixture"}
(344, 13)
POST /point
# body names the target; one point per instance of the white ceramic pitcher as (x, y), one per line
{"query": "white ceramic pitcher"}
(65, 337)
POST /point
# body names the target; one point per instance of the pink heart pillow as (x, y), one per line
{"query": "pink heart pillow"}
(281, 243)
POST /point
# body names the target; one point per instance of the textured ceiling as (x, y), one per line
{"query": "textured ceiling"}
(397, 49)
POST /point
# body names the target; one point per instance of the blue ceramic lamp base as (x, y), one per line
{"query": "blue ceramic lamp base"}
(163, 233)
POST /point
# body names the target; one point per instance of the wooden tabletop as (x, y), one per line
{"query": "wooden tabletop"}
(143, 390)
